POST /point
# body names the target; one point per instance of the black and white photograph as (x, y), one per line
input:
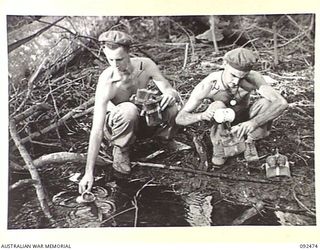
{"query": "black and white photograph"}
(161, 121)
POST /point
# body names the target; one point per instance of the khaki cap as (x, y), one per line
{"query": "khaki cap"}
(240, 59)
(116, 37)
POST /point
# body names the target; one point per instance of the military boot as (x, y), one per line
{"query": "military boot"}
(250, 153)
(218, 156)
(121, 160)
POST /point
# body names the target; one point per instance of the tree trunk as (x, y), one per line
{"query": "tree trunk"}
(55, 37)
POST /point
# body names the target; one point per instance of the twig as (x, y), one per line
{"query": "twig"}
(53, 100)
(288, 77)
(291, 40)
(30, 84)
(301, 204)
(91, 51)
(60, 122)
(45, 143)
(85, 112)
(212, 28)
(300, 110)
(43, 200)
(185, 56)
(300, 28)
(135, 201)
(305, 162)
(275, 43)
(117, 214)
(184, 30)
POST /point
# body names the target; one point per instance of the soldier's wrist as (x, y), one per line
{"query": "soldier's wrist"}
(255, 123)
(200, 116)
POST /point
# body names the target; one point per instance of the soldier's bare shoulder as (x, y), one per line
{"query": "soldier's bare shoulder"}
(106, 76)
(210, 82)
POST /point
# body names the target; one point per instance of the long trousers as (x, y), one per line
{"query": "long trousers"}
(242, 114)
(134, 126)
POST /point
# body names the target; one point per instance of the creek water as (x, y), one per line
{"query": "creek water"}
(141, 205)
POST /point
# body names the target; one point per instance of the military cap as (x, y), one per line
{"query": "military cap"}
(116, 37)
(240, 59)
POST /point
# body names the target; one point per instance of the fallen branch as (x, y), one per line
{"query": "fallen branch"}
(289, 77)
(31, 110)
(303, 30)
(19, 43)
(63, 157)
(20, 183)
(293, 106)
(43, 200)
(70, 114)
(211, 174)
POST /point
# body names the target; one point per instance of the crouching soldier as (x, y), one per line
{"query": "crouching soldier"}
(237, 123)
(117, 115)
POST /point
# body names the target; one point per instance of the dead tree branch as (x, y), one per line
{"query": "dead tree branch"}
(19, 43)
(31, 110)
(32, 169)
(211, 174)
(69, 115)
(63, 157)
(20, 183)
(30, 84)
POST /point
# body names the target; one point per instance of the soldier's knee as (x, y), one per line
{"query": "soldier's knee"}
(128, 110)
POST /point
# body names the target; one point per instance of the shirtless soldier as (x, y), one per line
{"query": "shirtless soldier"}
(230, 89)
(115, 115)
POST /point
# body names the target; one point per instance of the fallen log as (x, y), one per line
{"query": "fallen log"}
(54, 37)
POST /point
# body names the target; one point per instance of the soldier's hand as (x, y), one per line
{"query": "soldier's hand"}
(86, 183)
(167, 100)
(208, 114)
(244, 128)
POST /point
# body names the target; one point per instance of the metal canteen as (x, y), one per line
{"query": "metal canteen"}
(224, 115)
